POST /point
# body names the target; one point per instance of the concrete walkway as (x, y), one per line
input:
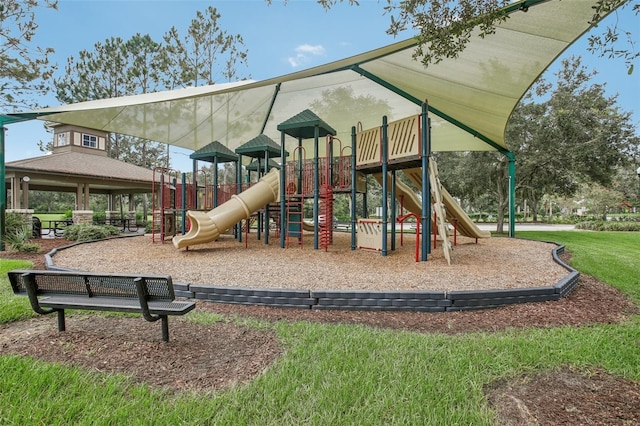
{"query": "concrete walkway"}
(529, 227)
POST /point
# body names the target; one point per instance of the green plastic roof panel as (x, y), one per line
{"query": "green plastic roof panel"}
(214, 149)
(303, 126)
(471, 97)
(257, 147)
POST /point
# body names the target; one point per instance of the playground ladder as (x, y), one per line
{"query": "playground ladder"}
(157, 225)
(438, 209)
(326, 212)
(295, 214)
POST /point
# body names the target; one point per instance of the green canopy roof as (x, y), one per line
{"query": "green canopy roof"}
(470, 97)
(258, 146)
(214, 150)
(303, 126)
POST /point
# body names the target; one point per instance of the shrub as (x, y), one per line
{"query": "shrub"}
(87, 232)
(99, 217)
(14, 222)
(609, 226)
(18, 240)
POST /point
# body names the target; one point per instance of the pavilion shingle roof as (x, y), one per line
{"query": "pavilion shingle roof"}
(78, 163)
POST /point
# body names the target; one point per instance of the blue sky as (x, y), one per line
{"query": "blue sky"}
(280, 39)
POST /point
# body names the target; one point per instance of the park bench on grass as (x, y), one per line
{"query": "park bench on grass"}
(55, 291)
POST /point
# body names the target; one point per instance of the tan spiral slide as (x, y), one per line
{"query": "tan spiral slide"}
(207, 226)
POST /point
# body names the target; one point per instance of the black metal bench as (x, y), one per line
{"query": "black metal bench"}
(54, 291)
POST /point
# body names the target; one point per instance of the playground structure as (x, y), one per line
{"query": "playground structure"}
(280, 194)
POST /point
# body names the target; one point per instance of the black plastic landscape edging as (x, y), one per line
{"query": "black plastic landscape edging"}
(415, 301)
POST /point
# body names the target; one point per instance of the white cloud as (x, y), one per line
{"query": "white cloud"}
(304, 53)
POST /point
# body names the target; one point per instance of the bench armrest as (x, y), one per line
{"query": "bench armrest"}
(141, 286)
(32, 291)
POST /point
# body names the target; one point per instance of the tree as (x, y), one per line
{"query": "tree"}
(601, 201)
(577, 136)
(207, 54)
(24, 68)
(117, 68)
(604, 44)
(563, 135)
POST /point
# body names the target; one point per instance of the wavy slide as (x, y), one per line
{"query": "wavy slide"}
(464, 224)
(411, 202)
(207, 226)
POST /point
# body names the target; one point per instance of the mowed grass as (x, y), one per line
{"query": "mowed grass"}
(339, 374)
(612, 257)
(12, 308)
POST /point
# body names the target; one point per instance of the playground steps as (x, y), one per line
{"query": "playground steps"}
(439, 210)
(294, 213)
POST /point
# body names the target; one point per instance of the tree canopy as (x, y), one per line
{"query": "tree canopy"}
(205, 55)
(24, 68)
(564, 135)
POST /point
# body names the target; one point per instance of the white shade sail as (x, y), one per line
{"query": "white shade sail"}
(470, 97)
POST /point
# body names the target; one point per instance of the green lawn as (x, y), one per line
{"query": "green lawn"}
(612, 257)
(339, 374)
(47, 216)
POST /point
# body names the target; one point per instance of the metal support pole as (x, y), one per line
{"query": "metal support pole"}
(3, 193)
(393, 210)
(425, 149)
(512, 194)
(239, 183)
(353, 188)
(194, 170)
(266, 207)
(165, 328)
(215, 180)
(316, 184)
(184, 204)
(385, 184)
(283, 171)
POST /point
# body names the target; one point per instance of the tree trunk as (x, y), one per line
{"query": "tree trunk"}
(502, 189)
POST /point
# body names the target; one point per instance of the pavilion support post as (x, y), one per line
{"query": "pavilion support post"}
(13, 192)
(25, 194)
(79, 197)
(86, 196)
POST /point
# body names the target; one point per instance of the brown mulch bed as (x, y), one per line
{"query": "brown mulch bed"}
(205, 357)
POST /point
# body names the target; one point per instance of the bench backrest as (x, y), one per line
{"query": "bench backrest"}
(158, 287)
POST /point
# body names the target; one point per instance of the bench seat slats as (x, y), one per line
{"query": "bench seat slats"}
(117, 304)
